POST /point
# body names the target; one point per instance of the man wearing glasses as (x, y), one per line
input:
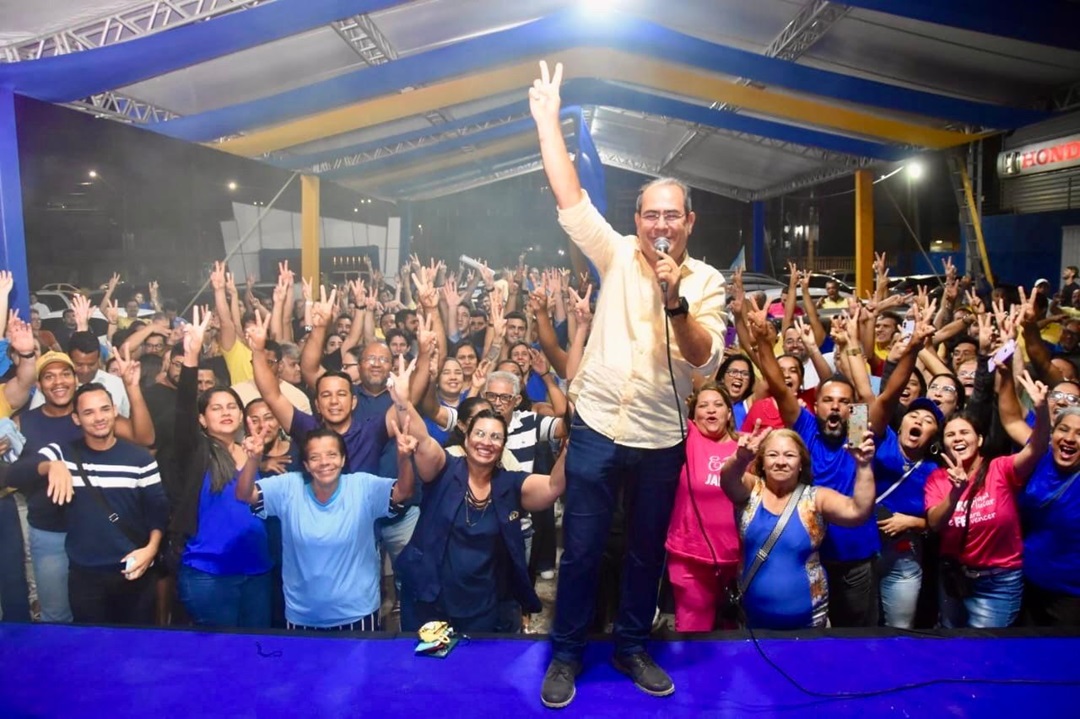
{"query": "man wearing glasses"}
(525, 429)
(628, 432)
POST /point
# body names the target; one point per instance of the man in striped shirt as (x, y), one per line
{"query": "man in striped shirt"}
(116, 513)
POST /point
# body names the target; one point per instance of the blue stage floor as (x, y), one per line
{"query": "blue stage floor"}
(66, 671)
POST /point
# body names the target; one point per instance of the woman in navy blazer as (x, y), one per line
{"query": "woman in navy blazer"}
(466, 561)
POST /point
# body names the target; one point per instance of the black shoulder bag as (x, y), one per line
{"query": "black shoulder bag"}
(134, 537)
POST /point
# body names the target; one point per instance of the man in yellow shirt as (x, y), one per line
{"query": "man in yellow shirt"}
(628, 431)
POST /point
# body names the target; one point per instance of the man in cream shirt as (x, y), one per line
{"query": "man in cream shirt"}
(628, 430)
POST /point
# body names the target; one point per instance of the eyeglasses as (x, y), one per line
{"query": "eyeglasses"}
(498, 398)
(671, 217)
(966, 375)
(1065, 398)
(737, 373)
(496, 437)
(378, 359)
(351, 364)
(947, 389)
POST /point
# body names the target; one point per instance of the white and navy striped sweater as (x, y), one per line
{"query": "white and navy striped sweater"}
(128, 478)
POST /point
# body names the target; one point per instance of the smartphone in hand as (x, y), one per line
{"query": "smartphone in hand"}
(1002, 356)
(858, 423)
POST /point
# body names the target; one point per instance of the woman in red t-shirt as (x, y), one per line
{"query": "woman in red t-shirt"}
(972, 503)
(702, 541)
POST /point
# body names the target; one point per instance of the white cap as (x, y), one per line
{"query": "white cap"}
(1039, 282)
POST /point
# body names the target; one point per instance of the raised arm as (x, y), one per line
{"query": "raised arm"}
(429, 458)
(1010, 412)
(407, 445)
(735, 479)
(544, 103)
(811, 310)
(545, 332)
(246, 491)
(140, 427)
(852, 511)
(1026, 459)
(311, 357)
(227, 333)
(539, 491)
(786, 400)
(265, 379)
(882, 408)
(21, 338)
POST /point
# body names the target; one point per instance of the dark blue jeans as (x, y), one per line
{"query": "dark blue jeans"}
(232, 600)
(596, 468)
(14, 592)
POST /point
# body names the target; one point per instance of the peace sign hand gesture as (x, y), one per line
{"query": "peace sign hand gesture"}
(544, 98)
(957, 474)
(750, 443)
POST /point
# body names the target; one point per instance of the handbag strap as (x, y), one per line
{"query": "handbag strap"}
(767, 547)
(898, 482)
(99, 496)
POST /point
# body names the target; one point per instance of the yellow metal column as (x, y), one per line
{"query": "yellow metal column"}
(864, 232)
(309, 228)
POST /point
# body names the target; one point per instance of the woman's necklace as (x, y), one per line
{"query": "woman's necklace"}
(472, 504)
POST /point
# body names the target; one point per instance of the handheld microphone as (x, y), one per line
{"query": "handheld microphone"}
(662, 244)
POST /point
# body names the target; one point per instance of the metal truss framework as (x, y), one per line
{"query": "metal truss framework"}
(141, 20)
(122, 108)
(809, 179)
(507, 173)
(1067, 98)
(408, 145)
(809, 25)
(361, 34)
(645, 167)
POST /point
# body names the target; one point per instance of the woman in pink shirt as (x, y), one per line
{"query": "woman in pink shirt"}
(972, 503)
(702, 541)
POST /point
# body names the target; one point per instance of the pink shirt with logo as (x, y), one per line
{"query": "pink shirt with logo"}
(994, 540)
(704, 459)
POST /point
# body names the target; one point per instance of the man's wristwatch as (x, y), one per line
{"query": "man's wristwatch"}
(683, 308)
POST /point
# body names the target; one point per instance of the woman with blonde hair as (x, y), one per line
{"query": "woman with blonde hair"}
(782, 581)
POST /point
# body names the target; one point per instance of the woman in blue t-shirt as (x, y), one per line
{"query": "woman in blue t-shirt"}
(771, 468)
(1050, 512)
(224, 574)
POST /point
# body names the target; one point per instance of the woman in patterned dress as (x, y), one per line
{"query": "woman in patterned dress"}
(771, 468)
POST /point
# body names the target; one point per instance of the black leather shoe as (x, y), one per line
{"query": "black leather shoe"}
(558, 689)
(647, 674)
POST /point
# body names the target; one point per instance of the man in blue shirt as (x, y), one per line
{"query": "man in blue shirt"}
(848, 553)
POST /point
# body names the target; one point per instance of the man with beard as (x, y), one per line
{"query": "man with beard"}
(52, 423)
(110, 547)
(848, 554)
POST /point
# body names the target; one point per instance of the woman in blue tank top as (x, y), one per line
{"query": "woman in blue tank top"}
(788, 590)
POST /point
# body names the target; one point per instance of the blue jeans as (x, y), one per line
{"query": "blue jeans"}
(14, 592)
(50, 560)
(995, 602)
(225, 600)
(900, 571)
(596, 468)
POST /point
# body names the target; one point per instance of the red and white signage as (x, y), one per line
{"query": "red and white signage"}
(1041, 157)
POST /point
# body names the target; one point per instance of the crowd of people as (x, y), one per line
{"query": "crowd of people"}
(906, 461)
